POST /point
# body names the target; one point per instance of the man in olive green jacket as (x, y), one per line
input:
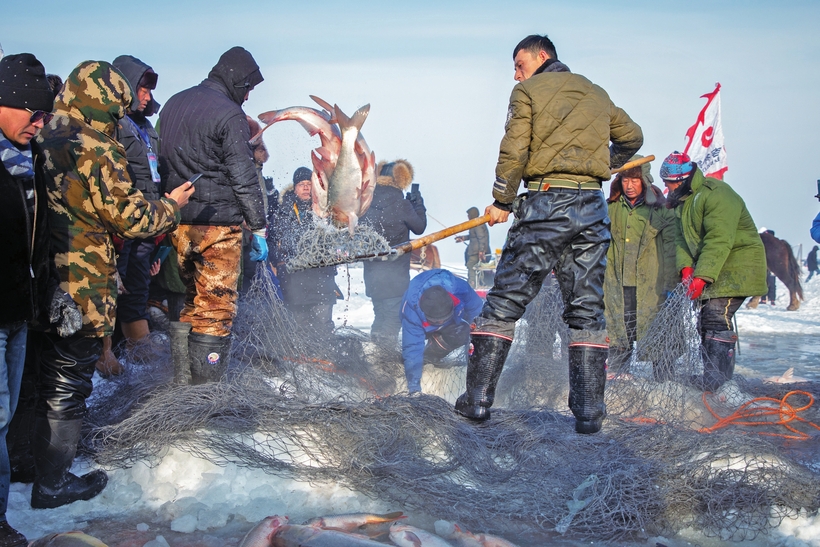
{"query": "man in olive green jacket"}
(557, 139)
(640, 268)
(720, 255)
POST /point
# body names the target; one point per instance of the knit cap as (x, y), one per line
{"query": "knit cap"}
(437, 304)
(23, 83)
(676, 167)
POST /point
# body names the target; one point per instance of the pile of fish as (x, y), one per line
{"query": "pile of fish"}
(344, 167)
(361, 530)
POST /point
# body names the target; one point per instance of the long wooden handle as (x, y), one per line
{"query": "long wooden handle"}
(441, 234)
(631, 164)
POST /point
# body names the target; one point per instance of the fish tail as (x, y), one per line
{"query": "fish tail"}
(357, 120)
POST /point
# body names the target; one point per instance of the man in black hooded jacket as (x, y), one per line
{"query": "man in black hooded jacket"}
(205, 131)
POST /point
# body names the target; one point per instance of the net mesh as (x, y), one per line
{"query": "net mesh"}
(336, 411)
(325, 245)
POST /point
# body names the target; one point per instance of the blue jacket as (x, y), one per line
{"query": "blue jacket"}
(415, 327)
(815, 228)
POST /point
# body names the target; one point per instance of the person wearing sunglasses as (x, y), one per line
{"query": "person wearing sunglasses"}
(29, 287)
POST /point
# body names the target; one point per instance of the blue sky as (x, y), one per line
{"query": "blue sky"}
(438, 76)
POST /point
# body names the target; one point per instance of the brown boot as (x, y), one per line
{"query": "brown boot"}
(107, 364)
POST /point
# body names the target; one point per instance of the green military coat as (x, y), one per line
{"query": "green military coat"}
(641, 254)
(719, 239)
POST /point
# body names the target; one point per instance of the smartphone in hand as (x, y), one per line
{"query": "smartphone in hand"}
(195, 178)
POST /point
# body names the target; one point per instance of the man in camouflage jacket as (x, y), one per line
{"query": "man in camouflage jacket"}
(559, 127)
(91, 197)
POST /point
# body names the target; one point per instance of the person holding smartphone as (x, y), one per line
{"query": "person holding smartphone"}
(393, 215)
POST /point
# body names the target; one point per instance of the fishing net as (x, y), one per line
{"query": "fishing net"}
(300, 406)
(325, 245)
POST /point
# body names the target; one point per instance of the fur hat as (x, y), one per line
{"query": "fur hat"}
(398, 173)
(653, 198)
(23, 83)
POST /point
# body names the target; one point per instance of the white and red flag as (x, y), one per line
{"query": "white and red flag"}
(704, 140)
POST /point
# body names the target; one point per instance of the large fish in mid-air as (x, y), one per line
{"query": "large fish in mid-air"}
(343, 166)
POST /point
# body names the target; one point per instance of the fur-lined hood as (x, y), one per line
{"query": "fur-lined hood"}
(398, 174)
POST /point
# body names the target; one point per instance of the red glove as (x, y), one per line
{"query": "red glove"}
(686, 274)
(695, 288)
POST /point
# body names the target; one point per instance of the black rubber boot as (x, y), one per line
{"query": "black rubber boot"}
(208, 356)
(178, 332)
(9, 537)
(483, 371)
(718, 359)
(587, 379)
(55, 444)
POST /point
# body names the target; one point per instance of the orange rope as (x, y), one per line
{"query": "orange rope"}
(328, 366)
(746, 415)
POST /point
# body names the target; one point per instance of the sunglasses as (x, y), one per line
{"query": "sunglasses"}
(37, 115)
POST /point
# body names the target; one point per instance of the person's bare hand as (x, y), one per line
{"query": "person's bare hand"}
(154, 270)
(180, 194)
(497, 216)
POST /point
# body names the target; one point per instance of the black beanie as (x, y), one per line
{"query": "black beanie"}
(437, 304)
(23, 83)
(303, 173)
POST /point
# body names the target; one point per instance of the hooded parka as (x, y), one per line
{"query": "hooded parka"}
(641, 254)
(90, 193)
(394, 217)
(718, 238)
(204, 130)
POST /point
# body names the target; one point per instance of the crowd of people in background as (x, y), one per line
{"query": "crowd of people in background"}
(104, 211)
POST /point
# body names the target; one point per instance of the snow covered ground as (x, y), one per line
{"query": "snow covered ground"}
(187, 501)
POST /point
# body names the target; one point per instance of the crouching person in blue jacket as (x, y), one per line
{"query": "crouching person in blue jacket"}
(436, 313)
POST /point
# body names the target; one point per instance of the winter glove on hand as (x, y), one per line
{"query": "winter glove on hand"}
(695, 288)
(686, 275)
(259, 248)
(414, 198)
(64, 314)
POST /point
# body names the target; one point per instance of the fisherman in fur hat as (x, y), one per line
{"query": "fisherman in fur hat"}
(394, 216)
(640, 262)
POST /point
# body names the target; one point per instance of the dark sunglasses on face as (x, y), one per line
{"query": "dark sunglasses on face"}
(37, 115)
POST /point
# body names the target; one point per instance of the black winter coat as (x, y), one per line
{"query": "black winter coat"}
(28, 276)
(394, 217)
(204, 130)
(303, 287)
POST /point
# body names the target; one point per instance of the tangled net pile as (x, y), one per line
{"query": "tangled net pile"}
(301, 407)
(325, 245)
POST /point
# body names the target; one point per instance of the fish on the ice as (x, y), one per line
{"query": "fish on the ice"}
(262, 534)
(365, 523)
(464, 538)
(294, 535)
(787, 377)
(405, 535)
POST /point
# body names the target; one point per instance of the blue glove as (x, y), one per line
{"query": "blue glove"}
(259, 248)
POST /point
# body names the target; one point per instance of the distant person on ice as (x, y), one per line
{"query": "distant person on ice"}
(478, 248)
(811, 263)
(557, 139)
(640, 267)
(436, 313)
(720, 256)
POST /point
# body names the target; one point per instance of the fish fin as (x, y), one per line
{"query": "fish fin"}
(326, 105)
(357, 120)
(265, 117)
(352, 222)
(413, 538)
(789, 374)
(386, 517)
(258, 137)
